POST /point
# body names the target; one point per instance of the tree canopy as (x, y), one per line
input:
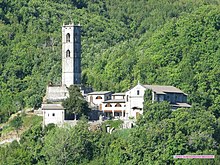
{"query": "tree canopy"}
(162, 42)
(192, 131)
(75, 103)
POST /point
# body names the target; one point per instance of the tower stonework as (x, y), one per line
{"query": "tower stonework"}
(71, 54)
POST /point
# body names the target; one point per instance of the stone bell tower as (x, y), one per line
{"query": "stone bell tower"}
(71, 54)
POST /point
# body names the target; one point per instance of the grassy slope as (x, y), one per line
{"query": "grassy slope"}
(28, 119)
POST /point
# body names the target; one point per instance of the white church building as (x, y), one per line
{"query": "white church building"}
(115, 105)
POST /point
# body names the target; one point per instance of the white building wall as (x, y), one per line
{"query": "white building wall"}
(53, 116)
(134, 99)
(118, 97)
(67, 62)
(93, 101)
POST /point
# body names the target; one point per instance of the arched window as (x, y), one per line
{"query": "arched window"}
(98, 97)
(108, 105)
(68, 53)
(117, 105)
(68, 37)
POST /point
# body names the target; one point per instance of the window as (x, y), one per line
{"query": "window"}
(67, 37)
(68, 53)
(161, 98)
(167, 97)
(53, 114)
(117, 105)
(98, 97)
(138, 92)
(127, 98)
(176, 98)
(117, 114)
(108, 105)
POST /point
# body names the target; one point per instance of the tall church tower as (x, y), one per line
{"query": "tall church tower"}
(71, 54)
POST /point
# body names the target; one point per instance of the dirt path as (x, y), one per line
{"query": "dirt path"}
(9, 140)
(12, 134)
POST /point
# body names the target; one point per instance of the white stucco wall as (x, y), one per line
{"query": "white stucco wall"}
(92, 98)
(134, 100)
(53, 116)
(118, 97)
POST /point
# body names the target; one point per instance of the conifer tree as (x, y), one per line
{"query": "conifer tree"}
(75, 103)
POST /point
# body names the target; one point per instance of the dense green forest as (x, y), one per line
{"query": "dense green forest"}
(159, 134)
(165, 42)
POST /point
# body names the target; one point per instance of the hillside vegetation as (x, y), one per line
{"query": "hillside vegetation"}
(159, 135)
(162, 42)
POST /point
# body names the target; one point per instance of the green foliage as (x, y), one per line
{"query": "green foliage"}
(184, 131)
(113, 123)
(155, 112)
(26, 121)
(153, 141)
(148, 95)
(27, 151)
(75, 103)
(14, 154)
(75, 145)
(175, 55)
(16, 122)
(32, 142)
(163, 42)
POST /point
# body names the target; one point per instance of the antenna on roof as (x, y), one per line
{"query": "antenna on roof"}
(138, 82)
